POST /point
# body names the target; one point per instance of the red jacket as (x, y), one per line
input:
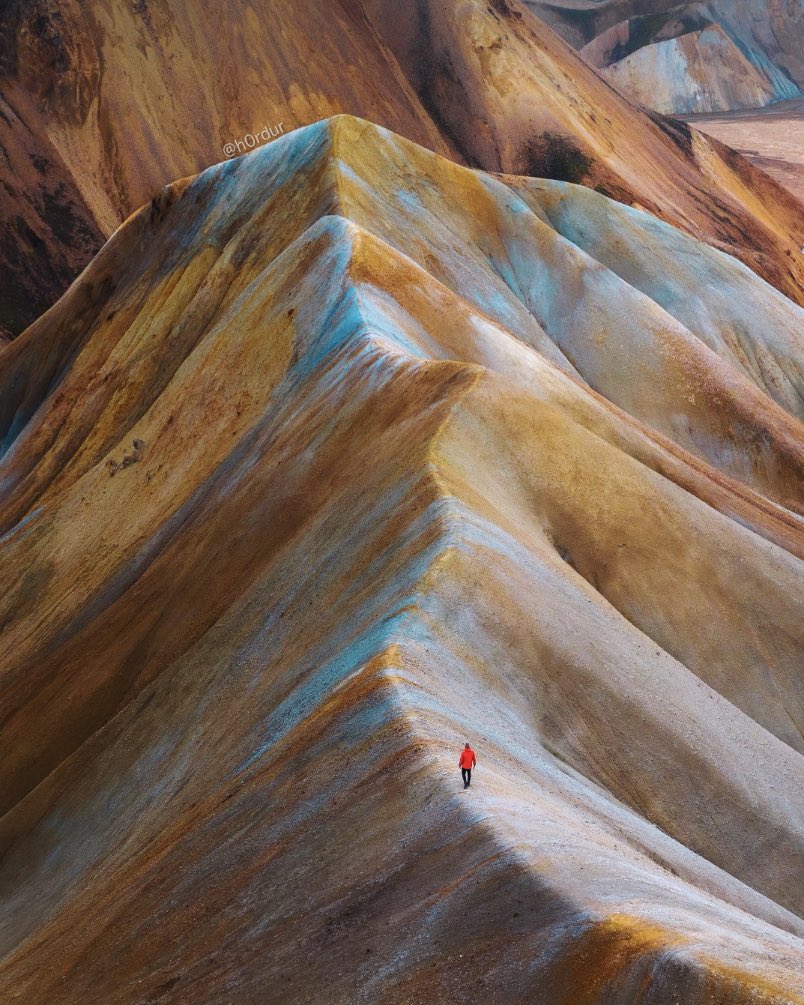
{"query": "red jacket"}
(467, 758)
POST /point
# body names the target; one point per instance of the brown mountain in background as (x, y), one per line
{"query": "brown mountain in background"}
(336, 456)
(103, 104)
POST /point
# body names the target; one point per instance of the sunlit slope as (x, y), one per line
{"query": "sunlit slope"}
(514, 97)
(473, 234)
(304, 485)
(759, 332)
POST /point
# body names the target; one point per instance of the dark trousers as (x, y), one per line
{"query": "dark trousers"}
(467, 777)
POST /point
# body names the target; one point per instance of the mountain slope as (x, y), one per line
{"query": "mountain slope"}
(769, 35)
(705, 57)
(322, 468)
(484, 84)
(700, 71)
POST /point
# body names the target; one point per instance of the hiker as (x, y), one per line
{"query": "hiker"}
(466, 762)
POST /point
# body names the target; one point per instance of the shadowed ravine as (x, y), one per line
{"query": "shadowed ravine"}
(336, 456)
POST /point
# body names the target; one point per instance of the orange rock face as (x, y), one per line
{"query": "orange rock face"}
(337, 456)
(104, 104)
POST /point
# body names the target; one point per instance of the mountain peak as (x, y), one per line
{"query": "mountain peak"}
(340, 454)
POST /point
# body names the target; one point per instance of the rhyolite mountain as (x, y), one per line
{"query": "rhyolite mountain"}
(101, 105)
(686, 64)
(341, 454)
(716, 55)
(739, 61)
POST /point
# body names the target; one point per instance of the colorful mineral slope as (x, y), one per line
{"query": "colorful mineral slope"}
(704, 57)
(769, 33)
(700, 71)
(102, 104)
(340, 454)
(715, 56)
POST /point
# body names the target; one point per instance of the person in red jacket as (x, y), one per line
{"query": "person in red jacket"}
(466, 762)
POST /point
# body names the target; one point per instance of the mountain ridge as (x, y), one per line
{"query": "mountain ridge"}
(300, 491)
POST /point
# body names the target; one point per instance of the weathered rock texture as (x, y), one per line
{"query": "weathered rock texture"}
(699, 71)
(338, 455)
(696, 57)
(769, 32)
(103, 104)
